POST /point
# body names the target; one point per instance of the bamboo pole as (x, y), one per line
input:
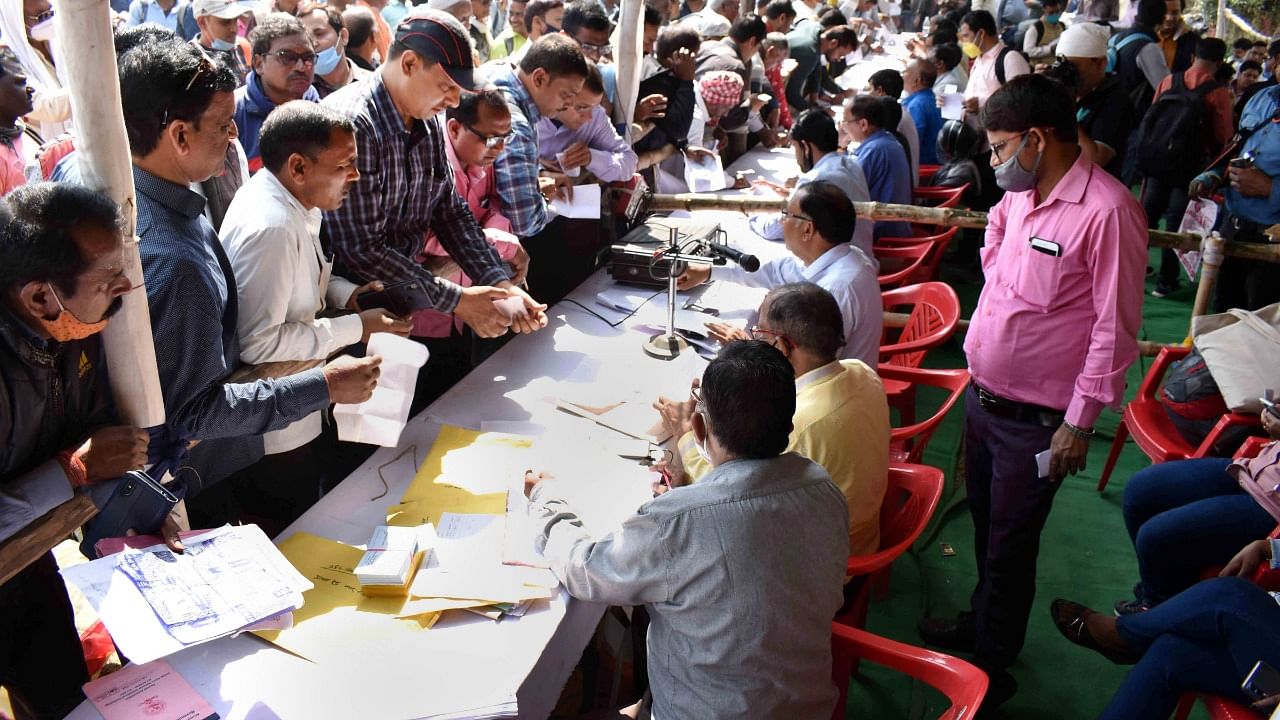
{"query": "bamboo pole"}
(29, 545)
(948, 217)
(84, 31)
(1208, 277)
(629, 44)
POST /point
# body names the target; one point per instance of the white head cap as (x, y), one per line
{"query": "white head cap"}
(446, 5)
(1084, 39)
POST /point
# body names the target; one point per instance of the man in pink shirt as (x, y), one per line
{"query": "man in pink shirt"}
(477, 130)
(1053, 333)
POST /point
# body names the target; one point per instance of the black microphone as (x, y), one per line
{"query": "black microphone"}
(750, 263)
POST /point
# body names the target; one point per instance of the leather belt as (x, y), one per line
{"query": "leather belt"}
(1240, 230)
(1017, 411)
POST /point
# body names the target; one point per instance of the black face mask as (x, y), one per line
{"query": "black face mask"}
(1066, 73)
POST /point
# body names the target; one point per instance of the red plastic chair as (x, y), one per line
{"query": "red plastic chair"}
(887, 242)
(940, 197)
(935, 314)
(1153, 432)
(927, 172)
(910, 499)
(907, 443)
(962, 683)
(1219, 708)
(906, 261)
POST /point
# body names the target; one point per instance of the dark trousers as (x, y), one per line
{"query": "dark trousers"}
(1162, 198)
(41, 661)
(1010, 505)
(271, 493)
(1205, 639)
(1246, 284)
(561, 256)
(1185, 516)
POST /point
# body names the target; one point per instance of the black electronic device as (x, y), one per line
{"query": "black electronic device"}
(638, 258)
(138, 503)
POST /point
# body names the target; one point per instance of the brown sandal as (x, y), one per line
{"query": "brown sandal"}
(1069, 618)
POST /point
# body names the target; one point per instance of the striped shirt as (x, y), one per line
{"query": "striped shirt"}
(405, 189)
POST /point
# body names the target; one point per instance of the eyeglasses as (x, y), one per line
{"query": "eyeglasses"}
(290, 58)
(205, 68)
(550, 28)
(758, 333)
(490, 141)
(997, 147)
(37, 19)
(798, 216)
(600, 50)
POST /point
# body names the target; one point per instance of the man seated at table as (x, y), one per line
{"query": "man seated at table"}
(732, 633)
(284, 281)
(406, 187)
(817, 147)
(477, 131)
(178, 111)
(284, 64)
(882, 158)
(922, 105)
(818, 227)
(586, 137)
(62, 277)
(889, 84)
(841, 420)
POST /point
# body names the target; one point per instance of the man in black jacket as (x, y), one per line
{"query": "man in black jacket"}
(62, 276)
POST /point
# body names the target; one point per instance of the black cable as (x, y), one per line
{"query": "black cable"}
(625, 318)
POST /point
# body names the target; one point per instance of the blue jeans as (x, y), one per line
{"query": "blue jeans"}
(1185, 516)
(1203, 640)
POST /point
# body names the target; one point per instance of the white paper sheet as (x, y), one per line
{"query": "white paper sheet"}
(705, 175)
(380, 419)
(952, 104)
(585, 204)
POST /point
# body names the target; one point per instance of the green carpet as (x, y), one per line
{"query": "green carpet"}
(1085, 555)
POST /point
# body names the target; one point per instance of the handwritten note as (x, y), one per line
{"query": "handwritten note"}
(154, 691)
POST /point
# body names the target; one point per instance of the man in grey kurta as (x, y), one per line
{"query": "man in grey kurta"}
(741, 572)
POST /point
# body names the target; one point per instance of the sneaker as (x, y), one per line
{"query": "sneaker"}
(958, 633)
(1130, 607)
(1163, 290)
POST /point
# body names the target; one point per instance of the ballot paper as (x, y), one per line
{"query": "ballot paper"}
(155, 603)
(585, 204)
(380, 419)
(705, 174)
(388, 559)
(952, 103)
(154, 691)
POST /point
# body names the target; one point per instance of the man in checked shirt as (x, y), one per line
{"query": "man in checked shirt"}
(406, 188)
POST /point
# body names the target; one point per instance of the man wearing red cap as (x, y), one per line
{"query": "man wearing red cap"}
(406, 188)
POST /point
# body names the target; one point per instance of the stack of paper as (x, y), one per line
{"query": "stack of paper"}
(388, 560)
(155, 602)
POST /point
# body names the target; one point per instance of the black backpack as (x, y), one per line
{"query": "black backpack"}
(1170, 140)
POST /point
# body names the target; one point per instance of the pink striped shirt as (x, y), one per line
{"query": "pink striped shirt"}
(1061, 331)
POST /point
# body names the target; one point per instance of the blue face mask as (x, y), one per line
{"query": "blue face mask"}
(223, 45)
(327, 60)
(1052, 19)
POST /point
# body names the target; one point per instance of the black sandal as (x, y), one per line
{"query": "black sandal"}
(1069, 618)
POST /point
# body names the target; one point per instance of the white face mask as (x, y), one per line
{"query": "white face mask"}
(823, 60)
(42, 31)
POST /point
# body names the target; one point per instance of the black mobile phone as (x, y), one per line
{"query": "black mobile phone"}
(138, 503)
(1263, 681)
(400, 298)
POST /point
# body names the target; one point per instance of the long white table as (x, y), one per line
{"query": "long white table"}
(470, 658)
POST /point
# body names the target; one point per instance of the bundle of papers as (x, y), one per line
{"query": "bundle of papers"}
(389, 558)
(155, 602)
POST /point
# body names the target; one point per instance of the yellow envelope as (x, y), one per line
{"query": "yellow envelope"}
(335, 617)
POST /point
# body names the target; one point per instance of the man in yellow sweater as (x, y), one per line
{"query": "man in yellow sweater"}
(841, 420)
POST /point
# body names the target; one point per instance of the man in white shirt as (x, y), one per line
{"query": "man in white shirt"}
(283, 274)
(816, 143)
(817, 227)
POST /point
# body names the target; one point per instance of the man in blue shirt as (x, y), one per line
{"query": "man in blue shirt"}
(918, 80)
(284, 64)
(1249, 183)
(881, 156)
(178, 108)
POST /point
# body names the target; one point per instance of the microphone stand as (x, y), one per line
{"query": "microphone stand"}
(669, 345)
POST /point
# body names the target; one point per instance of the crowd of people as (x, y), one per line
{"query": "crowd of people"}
(291, 158)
